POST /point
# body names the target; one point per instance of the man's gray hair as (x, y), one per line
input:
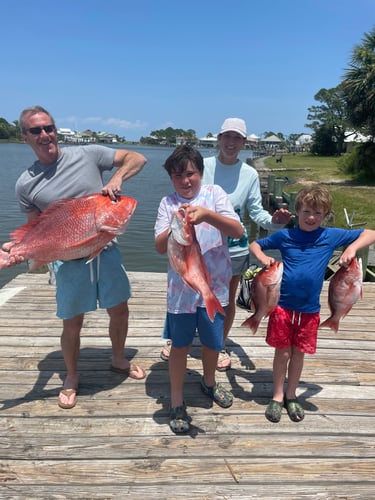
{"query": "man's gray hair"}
(33, 110)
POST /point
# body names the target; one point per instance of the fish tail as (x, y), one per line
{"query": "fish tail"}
(331, 323)
(252, 322)
(213, 306)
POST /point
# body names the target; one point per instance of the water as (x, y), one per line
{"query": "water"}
(148, 187)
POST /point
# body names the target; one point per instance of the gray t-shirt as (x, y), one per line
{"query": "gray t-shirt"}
(77, 172)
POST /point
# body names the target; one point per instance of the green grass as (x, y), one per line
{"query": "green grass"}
(346, 193)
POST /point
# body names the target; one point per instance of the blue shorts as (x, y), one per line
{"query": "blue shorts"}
(180, 329)
(80, 287)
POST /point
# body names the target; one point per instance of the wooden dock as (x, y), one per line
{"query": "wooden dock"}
(116, 443)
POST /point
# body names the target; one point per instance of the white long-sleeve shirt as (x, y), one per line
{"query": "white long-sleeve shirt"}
(241, 182)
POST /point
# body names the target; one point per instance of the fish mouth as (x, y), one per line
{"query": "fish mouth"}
(179, 228)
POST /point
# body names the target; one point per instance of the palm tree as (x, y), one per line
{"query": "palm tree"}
(359, 85)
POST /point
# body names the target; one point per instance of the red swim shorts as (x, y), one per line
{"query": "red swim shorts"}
(288, 328)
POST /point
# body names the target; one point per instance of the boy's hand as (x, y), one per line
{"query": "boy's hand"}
(266, 261)
(196, 214)
(346, 257)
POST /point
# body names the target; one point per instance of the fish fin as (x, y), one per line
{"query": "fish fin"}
(116, 231)
(18, 234)
(213, 306)
(93, 255)
(330, 323)
(252, 322)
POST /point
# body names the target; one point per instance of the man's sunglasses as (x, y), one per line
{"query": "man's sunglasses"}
(38, 130)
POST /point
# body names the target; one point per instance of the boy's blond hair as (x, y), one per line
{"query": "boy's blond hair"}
(316, 197)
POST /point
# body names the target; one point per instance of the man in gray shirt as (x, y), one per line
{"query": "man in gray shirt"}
(69, 173)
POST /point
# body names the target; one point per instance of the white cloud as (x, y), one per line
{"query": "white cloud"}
(114, 125)
(125, 124)
(99, 121)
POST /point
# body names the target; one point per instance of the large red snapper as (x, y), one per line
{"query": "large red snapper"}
(70, 229)
(265, 294)
(186, 259)
(344, 289)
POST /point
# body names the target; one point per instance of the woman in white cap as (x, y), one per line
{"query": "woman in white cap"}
(241, 182)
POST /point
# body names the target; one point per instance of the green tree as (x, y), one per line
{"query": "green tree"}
(170, 134)
(190, 133)
(4, 129)
(359, 85)
(7, 130)
(323, 144)
(330, 116)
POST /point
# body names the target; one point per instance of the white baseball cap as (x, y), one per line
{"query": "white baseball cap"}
(234, 125)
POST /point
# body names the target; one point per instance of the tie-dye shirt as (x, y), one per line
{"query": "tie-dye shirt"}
(213, 243)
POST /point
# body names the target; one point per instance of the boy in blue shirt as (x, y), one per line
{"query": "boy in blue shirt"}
(293, 325)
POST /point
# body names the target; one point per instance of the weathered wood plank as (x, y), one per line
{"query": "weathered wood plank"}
(116, 442)
(257, 445)
(344, 490)
(215, 471)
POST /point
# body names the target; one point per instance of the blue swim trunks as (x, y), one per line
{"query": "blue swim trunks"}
(81, 287)
(180, 329)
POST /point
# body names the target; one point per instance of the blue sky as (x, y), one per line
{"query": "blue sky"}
(131, 67)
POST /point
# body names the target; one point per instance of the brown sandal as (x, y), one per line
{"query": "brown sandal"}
(224, 361)
(69, 393)
(166, 351)
(128, 371)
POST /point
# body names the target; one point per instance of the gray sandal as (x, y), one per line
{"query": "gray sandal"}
(179, 419)
(295, 411)
(218, 394)
(273, 411)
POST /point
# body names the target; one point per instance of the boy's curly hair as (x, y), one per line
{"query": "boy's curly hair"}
(316, 197)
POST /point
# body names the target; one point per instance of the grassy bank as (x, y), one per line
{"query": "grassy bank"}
(299, 169)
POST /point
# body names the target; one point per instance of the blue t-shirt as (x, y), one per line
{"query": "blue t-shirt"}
(305, 256)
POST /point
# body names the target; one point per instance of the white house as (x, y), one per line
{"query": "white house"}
(303, 143)
(354, 138)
